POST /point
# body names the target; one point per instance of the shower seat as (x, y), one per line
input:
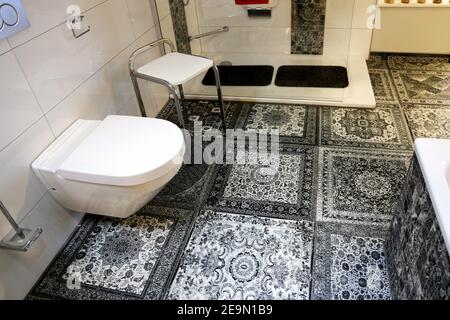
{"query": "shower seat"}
(172, 70)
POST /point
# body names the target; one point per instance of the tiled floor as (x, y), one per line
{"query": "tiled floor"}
(312, 230)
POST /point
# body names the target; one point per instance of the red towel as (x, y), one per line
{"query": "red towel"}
(251, 2)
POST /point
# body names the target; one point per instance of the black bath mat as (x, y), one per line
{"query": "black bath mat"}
(255, 76)
(312, 76)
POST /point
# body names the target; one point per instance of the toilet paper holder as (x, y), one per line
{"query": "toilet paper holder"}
(19, 239)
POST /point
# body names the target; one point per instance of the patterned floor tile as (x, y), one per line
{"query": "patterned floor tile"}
(208, 112)
(360, 186)
(295, 123)
(242, 257)
(383, 127)
(429, 87)
(437, 63)
(428, 121)
(377, 62)
(282, 188)
(187, 189)
(382, 85)
(349, 263)
(118, 259)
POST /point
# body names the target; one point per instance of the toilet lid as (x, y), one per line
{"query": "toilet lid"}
(126, 151)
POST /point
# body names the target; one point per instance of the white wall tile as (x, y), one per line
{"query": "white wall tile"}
(94, 100)
(18, 107)
(360, 14)
(141, 16)
(4, 46)
(56, 63)
(167, 29)
(19, 271)
(163, 8)
(256, 40)
(360, 43)
(20, 189)
(119, 76)
(337, 41)
(47, 14)
(339, 13)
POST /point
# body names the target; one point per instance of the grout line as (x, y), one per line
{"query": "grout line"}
(52, 28)
(44, 114)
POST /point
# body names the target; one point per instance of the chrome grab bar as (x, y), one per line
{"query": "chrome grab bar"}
(210, 33)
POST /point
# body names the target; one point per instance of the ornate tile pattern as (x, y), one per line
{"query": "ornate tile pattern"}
(382, 85)
(187, 189)
(360, 187)
(308, 26)
(118, 259)
(383, 127)
(120, 256)
(429, 87)
(417, 62)
(281, 190)
(349, 263)
(295, 123)
(180, 26)
(208, 112)
(241, 257)
(377, 61)
(419, 262)
(428, 121)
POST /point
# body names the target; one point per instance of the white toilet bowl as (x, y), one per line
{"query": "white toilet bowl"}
(112, 167)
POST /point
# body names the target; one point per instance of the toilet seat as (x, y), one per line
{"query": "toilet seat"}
(125, 151)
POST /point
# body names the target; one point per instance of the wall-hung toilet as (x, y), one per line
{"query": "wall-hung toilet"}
(112, 167)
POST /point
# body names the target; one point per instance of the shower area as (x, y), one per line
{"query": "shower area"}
(276, 51)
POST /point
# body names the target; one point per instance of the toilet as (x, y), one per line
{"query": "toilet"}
(112, 167)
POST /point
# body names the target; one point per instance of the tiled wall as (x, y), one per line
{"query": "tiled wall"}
(345, 27)
(419, 262)
(49, 79)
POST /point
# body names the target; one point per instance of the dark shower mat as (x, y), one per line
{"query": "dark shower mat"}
(312, 76)
(255, 76)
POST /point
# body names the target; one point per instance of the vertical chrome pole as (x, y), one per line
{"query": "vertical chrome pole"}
(177, 105)
(138, 94)
(11, 220)
(220, 95)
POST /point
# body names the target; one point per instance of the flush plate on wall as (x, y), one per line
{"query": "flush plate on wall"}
(13, 18)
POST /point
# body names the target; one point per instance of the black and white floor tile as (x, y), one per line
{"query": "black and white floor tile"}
(349, 263)
(414, 62)
(423, 87)
(359, 186)
(119, 259)
(310, 226)
(207, 112)
(383, 86)
(428, 121)
(377, 61)
(242, 257)
(294, 123)
(188, 188)
(383, 127)
(281, 187)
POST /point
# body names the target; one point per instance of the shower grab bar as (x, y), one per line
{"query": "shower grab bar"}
(19, 239)
(210, 33)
